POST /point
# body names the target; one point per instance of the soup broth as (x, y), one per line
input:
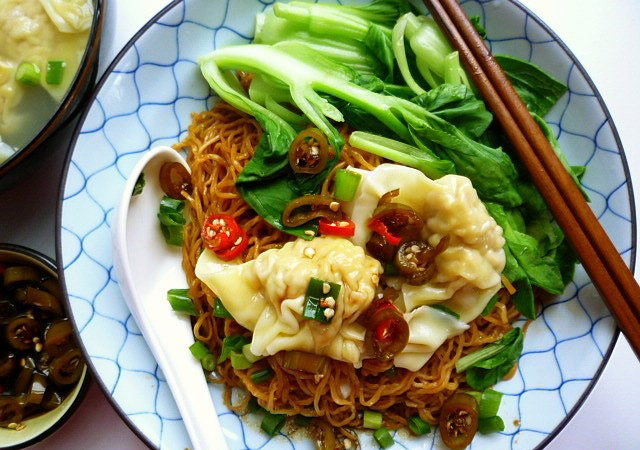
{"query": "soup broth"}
(47, 39)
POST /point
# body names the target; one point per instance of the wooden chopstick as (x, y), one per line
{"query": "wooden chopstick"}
(599, 256)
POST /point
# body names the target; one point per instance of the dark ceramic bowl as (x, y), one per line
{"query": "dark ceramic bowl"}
(39, 427)
(77, 94)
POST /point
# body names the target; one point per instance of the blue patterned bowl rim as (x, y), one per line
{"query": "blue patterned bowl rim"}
(173, 4)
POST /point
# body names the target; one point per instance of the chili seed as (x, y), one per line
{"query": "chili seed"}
(334, 206)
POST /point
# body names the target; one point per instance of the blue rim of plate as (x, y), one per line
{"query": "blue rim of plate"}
(173, 4)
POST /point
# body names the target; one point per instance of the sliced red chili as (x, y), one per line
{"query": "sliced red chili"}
(237, 248)
(342, 228)
(387, 330)
(220, 232)
(379, 227)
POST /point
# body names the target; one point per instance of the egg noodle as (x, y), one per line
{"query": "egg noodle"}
(220, 142)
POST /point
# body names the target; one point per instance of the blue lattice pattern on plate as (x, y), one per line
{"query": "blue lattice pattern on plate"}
(147, 99)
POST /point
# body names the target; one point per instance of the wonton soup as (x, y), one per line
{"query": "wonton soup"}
(42, 43)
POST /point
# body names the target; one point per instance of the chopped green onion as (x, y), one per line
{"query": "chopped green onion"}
(261, 376)
(139, 186)
(346, 185)
(172, 220)
(418, 426)
(302, 421)
(447, 310)
(246, 351)
(272, 423)
(489, 403)
(239, 361)
(372, 420)
(390, 372)
(315, 294)
(490, 425)
(199, 350)
(55, 72)
(28, 73)
(181, 302)
(254, 406)
(231, 344)
(220, 311)
(492, 304)
(383, 438)
(208, 362)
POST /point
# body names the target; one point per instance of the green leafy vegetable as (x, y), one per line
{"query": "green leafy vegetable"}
(538, 90)
(457, 104)
(490, 364)
(362, 25)
(490, 425)
(435, 59)
(139, 186)
(171, 220)
(489, 403)
(181, 301)
(548, 132)
(402, 153)
(539, 268)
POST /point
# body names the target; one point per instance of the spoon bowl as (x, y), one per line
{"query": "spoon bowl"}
(147, 267)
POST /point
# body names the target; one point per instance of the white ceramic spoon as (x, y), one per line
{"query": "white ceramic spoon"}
(147, 268)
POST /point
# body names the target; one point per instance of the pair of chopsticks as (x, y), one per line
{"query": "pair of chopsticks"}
(601, 260)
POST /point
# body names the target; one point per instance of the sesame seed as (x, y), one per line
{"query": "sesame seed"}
(318, 377)
(36, 339)
(330, 301)
(12, 425)
(309, 232)
(309, 252)
(20, 427)
(329, 313)
(343, 224)
(38, 347)
(238, 241)
(326, 287)
(334, 206)
(380, 295)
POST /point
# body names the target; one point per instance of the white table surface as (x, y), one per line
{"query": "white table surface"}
(604, 35)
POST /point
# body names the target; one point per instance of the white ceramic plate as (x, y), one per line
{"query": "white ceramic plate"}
(146, 98)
